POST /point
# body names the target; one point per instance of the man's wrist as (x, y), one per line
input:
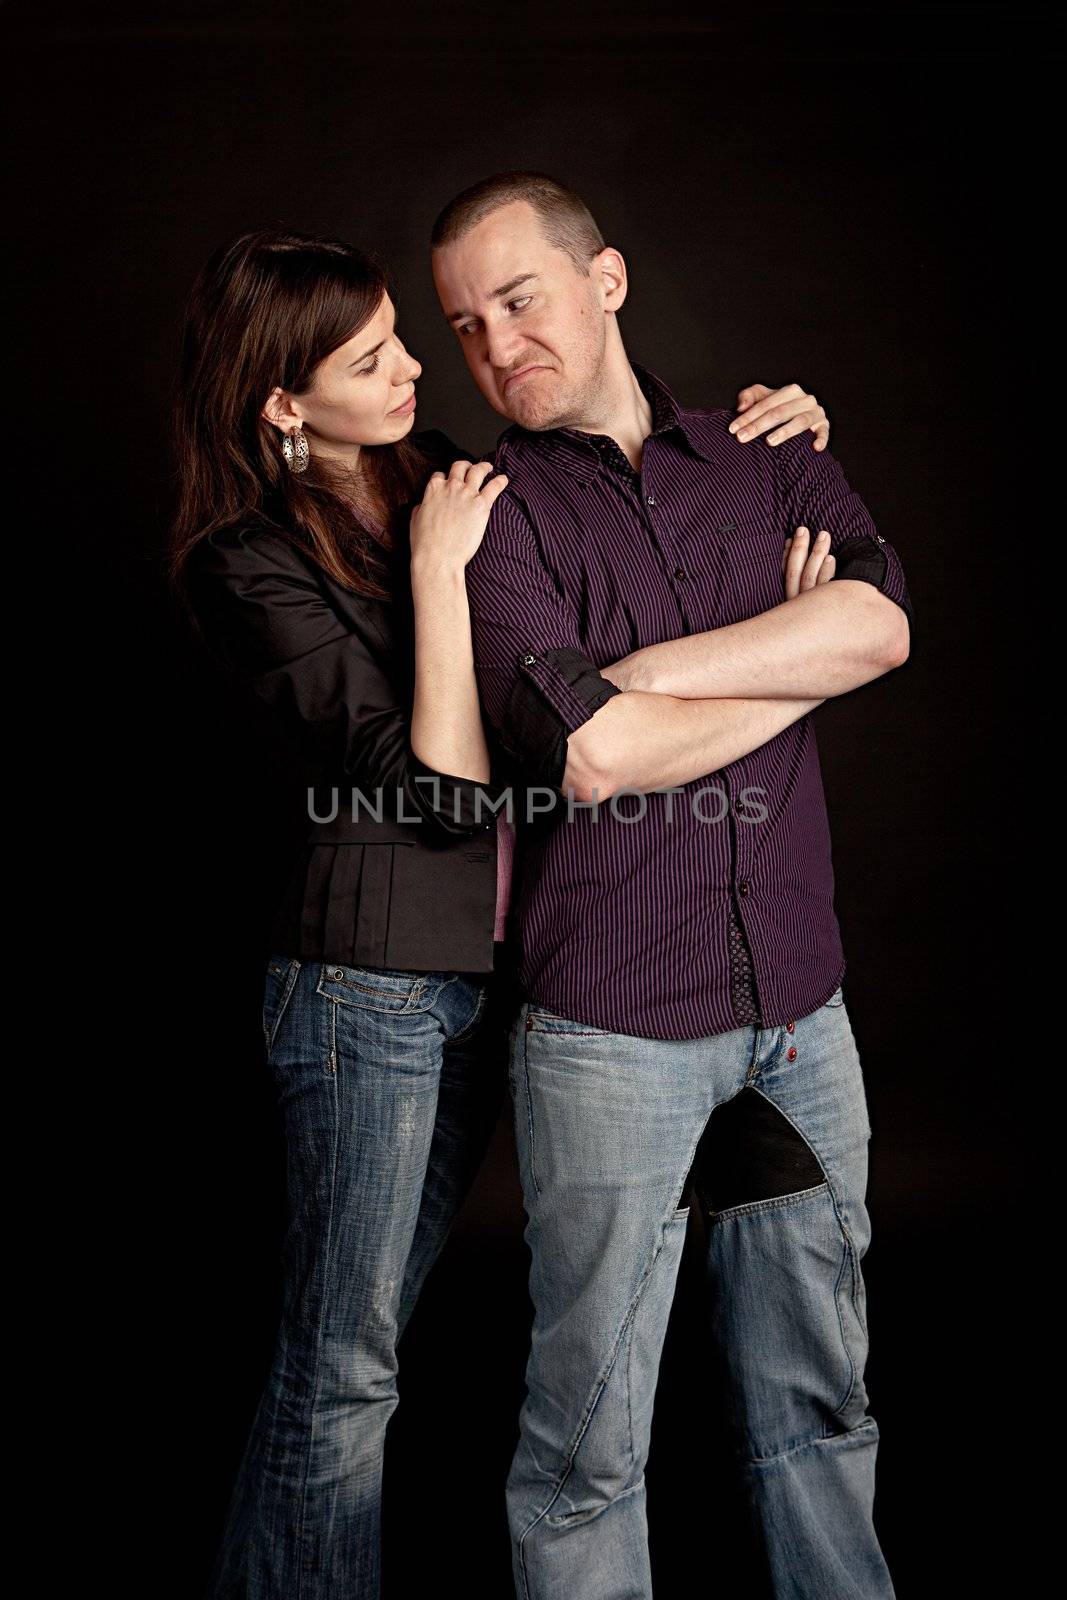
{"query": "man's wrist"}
(632, 672)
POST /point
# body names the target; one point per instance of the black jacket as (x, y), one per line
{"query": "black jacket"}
(419, 895)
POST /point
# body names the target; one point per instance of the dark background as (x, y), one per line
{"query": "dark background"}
(849, 199)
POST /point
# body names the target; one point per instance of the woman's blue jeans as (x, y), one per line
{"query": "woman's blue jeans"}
(767, 1128)
(390, 1084)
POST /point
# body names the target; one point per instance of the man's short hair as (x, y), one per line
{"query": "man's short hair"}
(566, 221)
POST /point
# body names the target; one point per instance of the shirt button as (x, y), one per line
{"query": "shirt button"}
(791, 1053)
(790, 1027)
(679, 572)
(742, 888)
(528, 661)
(651, 499)
(878, 536)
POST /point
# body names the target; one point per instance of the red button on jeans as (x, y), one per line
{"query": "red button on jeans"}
(791, 1053)
(790, 1027)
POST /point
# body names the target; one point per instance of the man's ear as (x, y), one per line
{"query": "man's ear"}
(280, 411)
(609, 272)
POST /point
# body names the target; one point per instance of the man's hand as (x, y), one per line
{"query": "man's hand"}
(789, 410)
(804, 568)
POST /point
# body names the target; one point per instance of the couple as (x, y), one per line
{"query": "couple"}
(530, 674)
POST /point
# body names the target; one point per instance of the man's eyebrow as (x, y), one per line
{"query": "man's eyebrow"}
(496, 294)
(374, 348)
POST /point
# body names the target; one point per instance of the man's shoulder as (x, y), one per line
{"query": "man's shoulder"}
(708, 424)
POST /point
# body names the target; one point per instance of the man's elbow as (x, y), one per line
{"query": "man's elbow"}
(888, 637)
(897, 644)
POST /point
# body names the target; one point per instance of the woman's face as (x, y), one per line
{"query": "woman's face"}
(361, 393)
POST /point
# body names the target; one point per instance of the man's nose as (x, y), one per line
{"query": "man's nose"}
(502, 345)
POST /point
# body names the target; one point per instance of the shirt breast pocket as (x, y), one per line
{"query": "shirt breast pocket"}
(751, 576)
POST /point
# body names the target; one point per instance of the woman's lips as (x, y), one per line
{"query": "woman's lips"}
(404, 410)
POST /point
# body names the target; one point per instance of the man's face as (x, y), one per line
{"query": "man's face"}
(532, 328)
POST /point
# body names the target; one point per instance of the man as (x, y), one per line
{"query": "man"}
(684, 1029)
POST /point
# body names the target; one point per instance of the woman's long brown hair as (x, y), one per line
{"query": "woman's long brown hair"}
(263, 312)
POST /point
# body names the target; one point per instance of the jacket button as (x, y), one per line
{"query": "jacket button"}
(791, 1053)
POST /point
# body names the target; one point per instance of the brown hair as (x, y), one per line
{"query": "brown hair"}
(566, 221)
(263, 312)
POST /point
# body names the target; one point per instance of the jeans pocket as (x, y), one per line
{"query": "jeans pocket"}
(278, 984)
(539, 1020)
(469, 1027)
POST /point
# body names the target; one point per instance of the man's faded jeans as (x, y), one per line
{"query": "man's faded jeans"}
(768, 1129)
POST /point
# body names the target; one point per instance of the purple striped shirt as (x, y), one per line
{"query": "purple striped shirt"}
(625, 917)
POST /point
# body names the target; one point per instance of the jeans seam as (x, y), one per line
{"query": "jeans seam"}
(848, 1259)
(306, 1559)
(847, 1252)
(292, 975)
(598, 1390)
(868, 1425)
(776, 1202)
(529, 1112)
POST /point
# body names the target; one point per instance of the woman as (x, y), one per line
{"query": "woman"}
(389, 981)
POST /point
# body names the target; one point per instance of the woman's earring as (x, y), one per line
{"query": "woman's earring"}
(295, 450)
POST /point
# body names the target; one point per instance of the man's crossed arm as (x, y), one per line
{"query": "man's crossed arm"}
(679, 710)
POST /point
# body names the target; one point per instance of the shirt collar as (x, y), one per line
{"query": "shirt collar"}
(575, 449)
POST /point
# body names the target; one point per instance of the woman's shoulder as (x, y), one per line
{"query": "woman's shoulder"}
(246, 542)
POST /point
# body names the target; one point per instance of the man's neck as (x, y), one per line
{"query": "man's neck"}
(621, 409)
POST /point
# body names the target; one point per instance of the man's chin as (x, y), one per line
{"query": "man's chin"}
(531, 413)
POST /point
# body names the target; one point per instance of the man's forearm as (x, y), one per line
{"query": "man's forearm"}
(822, 643)
(651, 741)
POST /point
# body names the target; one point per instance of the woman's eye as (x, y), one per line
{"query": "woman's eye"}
(524, 300)
(371, 367)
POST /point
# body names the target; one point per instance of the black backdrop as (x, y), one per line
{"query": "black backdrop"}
(818, 194)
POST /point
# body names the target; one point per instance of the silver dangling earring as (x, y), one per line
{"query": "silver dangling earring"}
(295, 450)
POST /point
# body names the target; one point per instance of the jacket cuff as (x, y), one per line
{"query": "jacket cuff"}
(458, 805)
(872, 560)
(554, 693)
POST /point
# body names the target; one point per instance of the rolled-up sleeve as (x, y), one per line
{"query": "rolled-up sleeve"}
(262, 611)
(537, 683)
(814, 493)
